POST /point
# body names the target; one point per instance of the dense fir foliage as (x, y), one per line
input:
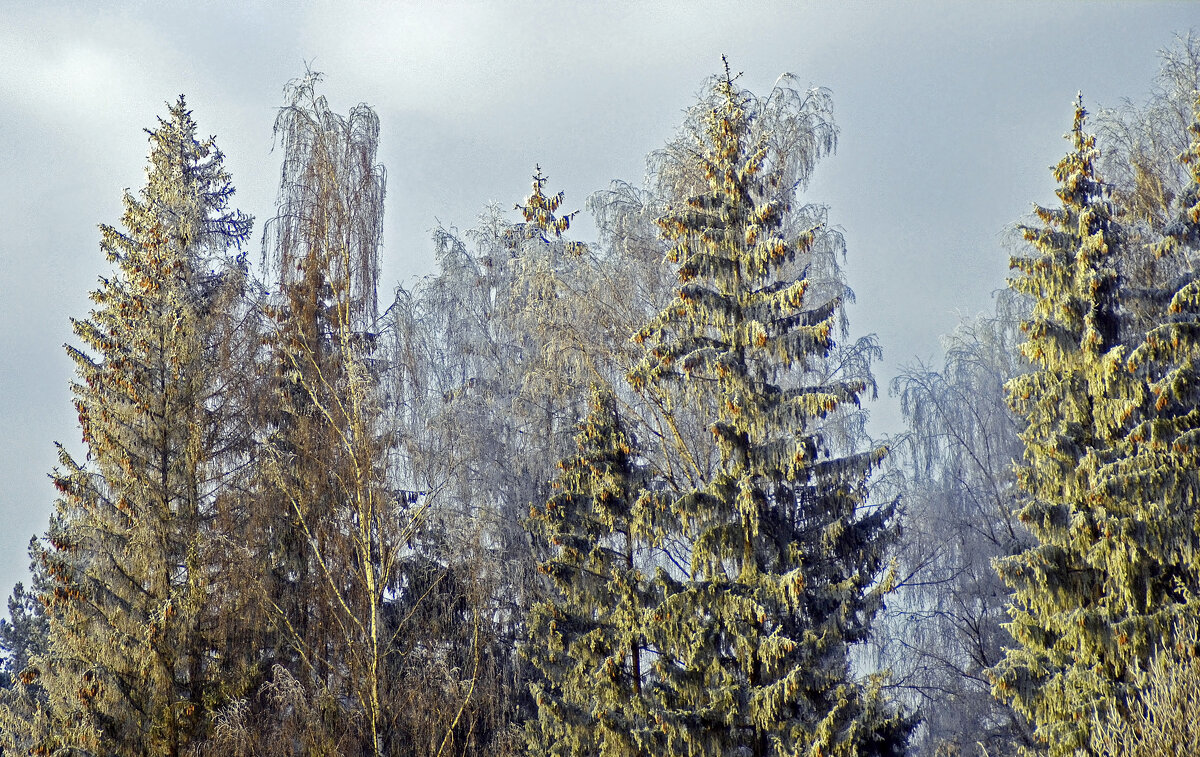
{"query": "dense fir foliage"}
(589, 638)
(781, 565)
(1162, 718)
(617, 497)
(1109, 471)
(1075, 403)
(127, 668)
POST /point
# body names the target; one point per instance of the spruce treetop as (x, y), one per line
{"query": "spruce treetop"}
(187, 192)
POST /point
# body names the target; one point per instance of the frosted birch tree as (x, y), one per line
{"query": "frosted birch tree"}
(329, 531)
(945, 626)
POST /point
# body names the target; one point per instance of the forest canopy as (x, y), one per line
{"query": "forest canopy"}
(617, 496)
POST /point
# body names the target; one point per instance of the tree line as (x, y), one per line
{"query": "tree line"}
(617, 497)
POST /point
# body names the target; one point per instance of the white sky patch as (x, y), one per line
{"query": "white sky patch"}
(460, 60)
(74, 81)
(426, 58)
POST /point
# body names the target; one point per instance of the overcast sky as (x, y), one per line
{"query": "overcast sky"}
(950, 116)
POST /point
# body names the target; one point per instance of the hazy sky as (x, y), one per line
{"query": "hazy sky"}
(950, 115)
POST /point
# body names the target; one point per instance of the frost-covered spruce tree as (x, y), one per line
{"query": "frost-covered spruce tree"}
(779, 564)
(1079, 589)
(588, 638)
(23, 639)
(1150, 539)
(132, 610)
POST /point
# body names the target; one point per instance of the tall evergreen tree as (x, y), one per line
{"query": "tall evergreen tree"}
(784, 565)
(132, 613)
(24, 639)
(1151, 533)
(23, 635)
(1082, 591)
(588, 638)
